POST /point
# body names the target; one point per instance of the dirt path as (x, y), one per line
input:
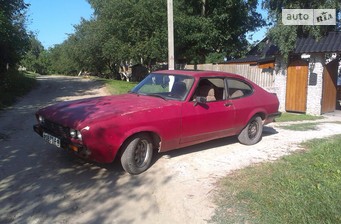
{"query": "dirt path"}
(42, 184)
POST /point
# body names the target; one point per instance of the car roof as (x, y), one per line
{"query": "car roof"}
(200, 73)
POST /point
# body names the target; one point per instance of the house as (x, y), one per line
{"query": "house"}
(263, 55)
(305, 83)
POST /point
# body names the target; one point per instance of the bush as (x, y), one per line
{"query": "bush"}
(14, 84)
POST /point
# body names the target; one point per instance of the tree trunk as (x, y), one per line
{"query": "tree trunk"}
(203, 9)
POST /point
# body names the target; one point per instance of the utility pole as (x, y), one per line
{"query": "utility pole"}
(170, 35)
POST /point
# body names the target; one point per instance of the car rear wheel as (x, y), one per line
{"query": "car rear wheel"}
(252, 133)
(137, 154)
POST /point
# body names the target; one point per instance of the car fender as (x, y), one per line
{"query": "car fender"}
(136, 130)
(261, 111)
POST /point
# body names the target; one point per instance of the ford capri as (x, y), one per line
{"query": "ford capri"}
(167, 110)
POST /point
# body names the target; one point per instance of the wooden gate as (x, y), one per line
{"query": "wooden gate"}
(296, 90)
(329, 86)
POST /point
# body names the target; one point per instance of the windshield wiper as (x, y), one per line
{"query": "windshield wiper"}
(156, 95)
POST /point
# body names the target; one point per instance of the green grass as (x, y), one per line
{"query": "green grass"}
(117, 86)
(14, 84)
(153, 89)
(300, 127)
(285, 117)
(300, 188)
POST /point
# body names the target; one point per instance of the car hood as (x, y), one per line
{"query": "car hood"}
(79, 113)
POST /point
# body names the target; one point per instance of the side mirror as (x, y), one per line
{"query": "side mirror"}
(200, 100)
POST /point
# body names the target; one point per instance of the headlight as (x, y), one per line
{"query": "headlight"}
(79, 135)
(75, 134)
(41, 119)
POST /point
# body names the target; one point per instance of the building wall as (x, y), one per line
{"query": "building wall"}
(314, 89)
(277, 80)
(280, 82)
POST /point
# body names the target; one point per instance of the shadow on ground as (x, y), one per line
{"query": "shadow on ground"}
(39, 183)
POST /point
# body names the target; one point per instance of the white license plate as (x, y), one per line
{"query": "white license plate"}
(51, 139)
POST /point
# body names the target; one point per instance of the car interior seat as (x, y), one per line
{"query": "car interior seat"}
(208, 92)
(237, 93)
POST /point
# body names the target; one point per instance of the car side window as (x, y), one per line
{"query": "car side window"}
(238, 89)
(210, 88)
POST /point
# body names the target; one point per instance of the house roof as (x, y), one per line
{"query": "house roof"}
(249, 58)
(265, 51)
(330, 43)
(262, 52)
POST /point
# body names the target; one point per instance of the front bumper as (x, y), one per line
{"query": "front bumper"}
(65, 143)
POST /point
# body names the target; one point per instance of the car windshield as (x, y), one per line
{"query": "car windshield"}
(166, 86)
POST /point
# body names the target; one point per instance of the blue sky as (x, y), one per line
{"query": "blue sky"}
(52, 20)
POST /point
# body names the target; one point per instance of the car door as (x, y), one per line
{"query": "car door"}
(210, 120)
(240, 97)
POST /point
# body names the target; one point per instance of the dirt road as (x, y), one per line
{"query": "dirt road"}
(41, 184)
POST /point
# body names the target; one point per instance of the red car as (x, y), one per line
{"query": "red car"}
(166, 111)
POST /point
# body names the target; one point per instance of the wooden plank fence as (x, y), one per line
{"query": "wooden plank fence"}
(262, 77)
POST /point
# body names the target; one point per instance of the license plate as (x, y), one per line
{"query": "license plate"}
(51, 139)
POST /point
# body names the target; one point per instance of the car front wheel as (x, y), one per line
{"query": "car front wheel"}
(138, 153)
(252, 133)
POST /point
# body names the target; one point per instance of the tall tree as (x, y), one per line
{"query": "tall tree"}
(285, 36)
(13, 36)
(136, 31)
(201, 26)
(232, 19)
(31, 60)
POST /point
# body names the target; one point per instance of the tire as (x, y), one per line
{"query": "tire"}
(137, 154)
(252, 133)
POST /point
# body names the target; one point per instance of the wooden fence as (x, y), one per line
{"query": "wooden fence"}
(262, 77)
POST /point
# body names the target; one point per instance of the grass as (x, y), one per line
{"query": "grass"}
(300, 188)
(14, 84)
(300, 127)
(285, 117)
(117, 86)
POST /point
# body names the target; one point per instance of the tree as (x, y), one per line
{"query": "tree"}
(32, 59)
(285, 36)
(201, 27)
(232, 19)
(136, 30)
(125, 32)
(13, 36)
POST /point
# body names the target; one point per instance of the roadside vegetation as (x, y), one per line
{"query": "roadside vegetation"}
(301, 126)
(300, 188)
(300, 118)
(118, 86)
(285, 117)
(15, 84)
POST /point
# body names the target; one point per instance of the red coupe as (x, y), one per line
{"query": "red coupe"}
(166, 111)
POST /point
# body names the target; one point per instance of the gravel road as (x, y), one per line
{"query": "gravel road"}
(40, 183)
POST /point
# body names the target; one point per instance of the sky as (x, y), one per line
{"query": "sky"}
(53, 20)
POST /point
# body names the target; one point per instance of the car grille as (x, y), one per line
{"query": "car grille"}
(56, 129)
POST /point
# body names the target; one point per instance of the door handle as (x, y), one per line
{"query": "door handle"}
(228, 104)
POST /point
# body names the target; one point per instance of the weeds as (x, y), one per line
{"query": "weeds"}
(300, 188)
(300, 127)
(285, 117)
(14, 84)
